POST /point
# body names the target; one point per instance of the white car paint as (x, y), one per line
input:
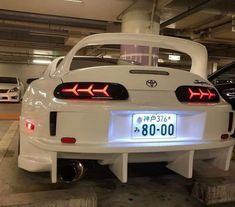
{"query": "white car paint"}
(103, 129)
(11, 92)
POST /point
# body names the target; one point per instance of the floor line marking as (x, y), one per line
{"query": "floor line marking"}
(7, 138)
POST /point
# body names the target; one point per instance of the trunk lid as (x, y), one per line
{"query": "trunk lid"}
(137, 77)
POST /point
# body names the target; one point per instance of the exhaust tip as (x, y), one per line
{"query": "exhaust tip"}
(71, 171)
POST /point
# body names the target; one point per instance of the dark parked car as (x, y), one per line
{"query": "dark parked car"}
(224, 81)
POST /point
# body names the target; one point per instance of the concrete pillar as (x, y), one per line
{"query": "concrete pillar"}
(215, 67)
(140, 20)
(212, 67)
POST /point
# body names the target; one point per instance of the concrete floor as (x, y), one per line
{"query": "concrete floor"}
(148, 185)
(9, 110)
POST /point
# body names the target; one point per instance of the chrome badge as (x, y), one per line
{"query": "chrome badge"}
(151, 83)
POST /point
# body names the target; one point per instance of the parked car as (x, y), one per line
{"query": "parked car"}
(117, 112)
(224, 81)
(11, 89)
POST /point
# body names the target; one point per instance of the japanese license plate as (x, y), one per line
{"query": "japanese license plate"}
(153, 125)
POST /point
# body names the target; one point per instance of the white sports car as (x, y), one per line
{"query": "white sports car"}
(11, 89)
(117, 112)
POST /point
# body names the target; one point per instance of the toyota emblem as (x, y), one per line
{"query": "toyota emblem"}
(151, 83)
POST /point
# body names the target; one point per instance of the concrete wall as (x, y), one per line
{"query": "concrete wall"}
(23, 72)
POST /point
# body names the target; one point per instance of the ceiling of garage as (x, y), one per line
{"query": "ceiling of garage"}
(49, 28)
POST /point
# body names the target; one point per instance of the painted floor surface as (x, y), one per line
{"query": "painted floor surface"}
(9, 111)
(148, 185)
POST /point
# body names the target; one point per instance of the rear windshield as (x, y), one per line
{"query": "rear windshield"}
(84, 62)
(101, 55)
(8, 80)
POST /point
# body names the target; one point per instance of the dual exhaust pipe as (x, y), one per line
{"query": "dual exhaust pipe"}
(70, 170)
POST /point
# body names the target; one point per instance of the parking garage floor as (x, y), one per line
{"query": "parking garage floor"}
(9, 111)
(148, 185)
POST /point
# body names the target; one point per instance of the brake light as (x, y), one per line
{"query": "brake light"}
(71, 90)
(91, 90)
(29, 125)
(197, 94)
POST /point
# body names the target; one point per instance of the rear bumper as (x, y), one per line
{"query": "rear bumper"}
(40, 155)
(129, 147)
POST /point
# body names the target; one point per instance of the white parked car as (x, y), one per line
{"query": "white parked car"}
(116, 112)
(11, 89)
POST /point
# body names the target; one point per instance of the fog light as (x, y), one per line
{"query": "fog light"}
(68, 140)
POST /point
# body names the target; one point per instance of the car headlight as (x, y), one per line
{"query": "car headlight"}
(14, 89)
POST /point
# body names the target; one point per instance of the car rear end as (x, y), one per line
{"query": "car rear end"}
(125, 114)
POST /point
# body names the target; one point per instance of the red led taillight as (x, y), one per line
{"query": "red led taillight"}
(197, 94)
(68, 140)
(200, 94)
(29, 125)
(91, 90)
(103, 90)
(71, 90)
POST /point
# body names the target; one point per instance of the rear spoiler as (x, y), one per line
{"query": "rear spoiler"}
(196, 51)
